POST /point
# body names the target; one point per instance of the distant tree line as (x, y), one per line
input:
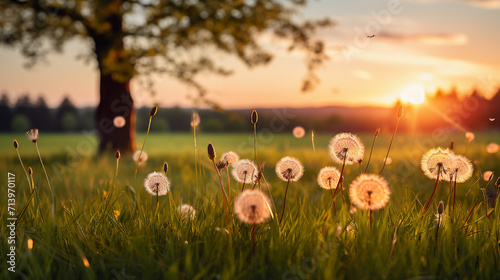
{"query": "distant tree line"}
(472, 112)
(25, 113)
(440, 110)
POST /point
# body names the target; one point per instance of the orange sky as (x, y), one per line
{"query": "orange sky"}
(426, 44)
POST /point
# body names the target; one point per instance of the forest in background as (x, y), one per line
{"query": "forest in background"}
(440, 110)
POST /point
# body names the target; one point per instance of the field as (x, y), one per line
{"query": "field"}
(100, 236)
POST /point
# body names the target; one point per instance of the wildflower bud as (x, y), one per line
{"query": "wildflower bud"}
(117, 154)
(400, 111)
(255, 117)
(377, 132)
(211, 151)
(153, 111)
(30, 171)
(165, 167)
(440, 208)
(451, 145)
(491, 176)
(16, 145)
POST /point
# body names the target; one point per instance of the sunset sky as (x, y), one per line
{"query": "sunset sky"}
(421, 44)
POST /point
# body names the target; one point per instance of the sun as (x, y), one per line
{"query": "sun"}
(415, 94)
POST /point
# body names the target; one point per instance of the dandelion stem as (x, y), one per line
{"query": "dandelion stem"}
(437, 228)
(222, 188)
(332, 195)
(371, 150)
(195, 150)
(228, 185)
(140, 154)
(253, 239)
(25, 172)
(435, 186)
(370, 213)
(244, 180)
(324, 228)
(454, 191)
(341, 174)
(390, 144)
(48, 181)
(255, 142)
(284, 201)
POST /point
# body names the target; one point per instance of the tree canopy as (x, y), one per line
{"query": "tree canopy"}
(128, 38)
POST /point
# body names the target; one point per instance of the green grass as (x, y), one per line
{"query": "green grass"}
(401, 245)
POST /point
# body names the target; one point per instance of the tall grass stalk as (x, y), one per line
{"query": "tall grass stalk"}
(151, 114)
(284, 201)
(211, 155)
(16, 146)
(254, 119)
(228, 184)
(399, 115)
(433, 191)
(194, 124)
(371, 150)
(48, 181)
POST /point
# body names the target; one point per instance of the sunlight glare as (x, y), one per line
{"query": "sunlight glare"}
(414, 94)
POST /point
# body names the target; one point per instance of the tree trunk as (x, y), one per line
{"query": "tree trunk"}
(115, 101)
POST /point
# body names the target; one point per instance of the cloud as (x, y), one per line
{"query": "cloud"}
(427, 39)
(486, 4)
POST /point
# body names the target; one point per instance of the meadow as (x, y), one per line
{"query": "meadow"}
(98, 234)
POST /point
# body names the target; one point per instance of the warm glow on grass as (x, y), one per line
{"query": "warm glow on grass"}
(414, 94)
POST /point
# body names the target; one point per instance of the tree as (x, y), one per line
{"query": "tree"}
(5, 112)
(43, 116)
(66, 115)
(134, 38)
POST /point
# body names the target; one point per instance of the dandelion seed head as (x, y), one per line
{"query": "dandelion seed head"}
(487, 175)
(156, 183)
(245, 171)
(195, 119)
(252, 207)
(492, 148)
(144, 156)
(289, 168)
(187, 211)
(461, 168)
(437, 159)
(348, 146)
(299, 132)
(33, 135)
(469, 136)
(119, 121)
(328, 177)
(230, 157)
(388, 161)
(369, 192)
